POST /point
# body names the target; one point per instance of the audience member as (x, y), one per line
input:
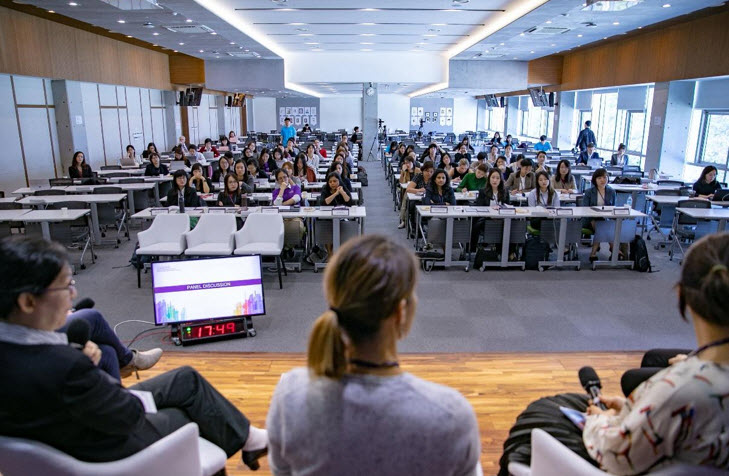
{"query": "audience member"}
(563, 181)
(541, 163)
(130, 158)
(522, 181)
(543, 195)
(198, 181)
(79, 168)
(245, 179)
(287, 131)
(334, 193)
(588, 154)
(706, 185)
(181, 145)
(181, 192)
(620, 158)
(313, 157)
(445, 164)
(230, 196)
(155, 167)
(151, 149)
(601, 194)
(463, 153)
(476, 180)
(502, 166)
(254, 171)
(359, 404)
(223, 168)
(496, 140)
(460, 171)
(287, 192)
(543, 145)
(302, 170)
(208, 147)
(439, 191)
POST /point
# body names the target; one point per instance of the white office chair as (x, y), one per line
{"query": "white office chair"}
(262, 234)
(552, 458)
(166, 237)
(213, 236)
(181, 452)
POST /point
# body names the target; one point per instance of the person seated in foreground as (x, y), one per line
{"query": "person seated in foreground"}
(678, 415)
(476, 180)
(363, 413)
(601, 194)
(55, 393)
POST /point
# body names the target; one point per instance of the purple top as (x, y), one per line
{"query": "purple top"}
(288, 194)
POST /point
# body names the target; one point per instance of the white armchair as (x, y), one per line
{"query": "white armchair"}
(213, 236)
(166, 237)
(181, 452)
(552, 458)
(262, 234)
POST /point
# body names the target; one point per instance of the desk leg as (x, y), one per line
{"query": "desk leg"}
(130, 196)
(156, 194)
(448, 242)
(722, 225)
(561, 241)
(95, 223)
(336, 233)
(417, 228)
(46, 230)
(505, 241)
(616, 240)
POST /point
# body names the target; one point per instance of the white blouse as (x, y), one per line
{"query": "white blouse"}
(680, 415)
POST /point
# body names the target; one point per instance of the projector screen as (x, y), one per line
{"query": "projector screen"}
(202, 289)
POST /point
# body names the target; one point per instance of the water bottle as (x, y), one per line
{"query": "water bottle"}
(181, 203)
(629, 203)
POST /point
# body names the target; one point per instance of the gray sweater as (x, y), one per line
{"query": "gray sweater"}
(366, 425)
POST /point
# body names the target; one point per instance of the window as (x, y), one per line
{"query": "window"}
(714, 140)
(495, 120)
(535, 122)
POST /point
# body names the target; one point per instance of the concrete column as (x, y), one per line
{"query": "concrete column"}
(481, 115)
(369, 123)
(220, 104)
(70, 119)
(668, 129)
(511, 117)
(563, 120)
(173, 126)
(249, 115)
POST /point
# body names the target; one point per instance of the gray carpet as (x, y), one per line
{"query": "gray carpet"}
(494, 311)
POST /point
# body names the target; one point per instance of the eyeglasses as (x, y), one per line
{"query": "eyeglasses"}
(72, 284)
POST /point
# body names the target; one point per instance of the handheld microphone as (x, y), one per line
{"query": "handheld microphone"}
(85, 303)
(592, 385)
(78, 334)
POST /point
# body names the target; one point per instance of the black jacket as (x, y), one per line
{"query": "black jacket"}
(229, 201)
(484, 198)
(151, 170)
(191, 198)
(54, 394)
(85, 172)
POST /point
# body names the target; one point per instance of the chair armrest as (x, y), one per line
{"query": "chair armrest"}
(193, 237)
(147, 237)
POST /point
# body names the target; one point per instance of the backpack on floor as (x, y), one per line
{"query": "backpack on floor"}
(535, 250)
(639, 255)
(362, 176)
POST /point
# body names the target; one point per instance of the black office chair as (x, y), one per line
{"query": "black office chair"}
(685, 229)
(49, 191)
(132, 180)
(112, 214)
(110, 167)
(118, 175)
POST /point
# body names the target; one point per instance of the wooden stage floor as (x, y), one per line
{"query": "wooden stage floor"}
(499, 386)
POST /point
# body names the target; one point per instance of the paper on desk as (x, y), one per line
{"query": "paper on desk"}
(147, 400)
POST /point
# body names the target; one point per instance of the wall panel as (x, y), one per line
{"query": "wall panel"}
(37, 146)
(92, 119)
(29, 91)
(112, 142)
(158, 126)
(13, 175)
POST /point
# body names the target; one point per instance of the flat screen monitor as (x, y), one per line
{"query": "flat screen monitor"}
(539, 98)
(193, 96)
(491, 100)
(238, 99)
(204, 289)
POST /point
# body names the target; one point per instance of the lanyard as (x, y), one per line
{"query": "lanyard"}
(716, 343)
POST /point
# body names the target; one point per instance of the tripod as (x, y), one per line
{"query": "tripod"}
(374, 141)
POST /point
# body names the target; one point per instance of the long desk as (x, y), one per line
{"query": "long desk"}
(129, 188)
(91, 200)
(708, 214)
(44, 217)
(523, 213)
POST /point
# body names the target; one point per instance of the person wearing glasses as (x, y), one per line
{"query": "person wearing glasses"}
(55, 394)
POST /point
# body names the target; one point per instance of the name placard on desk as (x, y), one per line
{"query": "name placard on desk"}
(214, 210)
(269, 210)
(340, 212)
(158, 211)
(564, 212)
(507, 211)
(621, 211)
(574, 196)
(438, 209)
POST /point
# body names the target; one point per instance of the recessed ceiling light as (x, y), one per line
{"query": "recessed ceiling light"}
(121, 21)
(554, 44)
(366, 43)
(365, 49)
(306, 34)
(202, 51)
(502, 44)
(154, 45)
(366, 34)
(431, 36)
(531, 52)
(666, 5)
(640, 27)
(73, 4)
(188, 21)
(421, 43)
(437, 24)
(129, 36)
(232, 42)
(174, 51)
(311, 43)
(51, 11)
(316, 49)
(246, 51)
(579, 36)
(286, 9)
(514, 57)
(155, 34)
(368, 24)
(369, 9)
(297, 24)
(521, 34)
(616, 23)
(605, 38)
(181, 44)
(548, 22)
(213, 33)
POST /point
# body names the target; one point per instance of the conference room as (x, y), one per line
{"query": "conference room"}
(292, 235)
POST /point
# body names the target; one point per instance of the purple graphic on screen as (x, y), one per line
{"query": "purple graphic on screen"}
(167, 312)
(207, 286)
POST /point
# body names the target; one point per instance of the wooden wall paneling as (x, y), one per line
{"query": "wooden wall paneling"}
(545, 71)
(64, 60)
(186, 70)
(184, 124)
(688, 50)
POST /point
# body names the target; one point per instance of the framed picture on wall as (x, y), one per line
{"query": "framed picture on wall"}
(414, 111)
(297, 120)
(305, 119)
(307, 111)
(427, 116)
(435, 115)
(420, 112)
(442, 111)
(281, 119)
(282, 111)
(313, 110)
(288, 111)
(449, 121)
(449, 112)
(442, 120)
(414, 120)
(312, 120)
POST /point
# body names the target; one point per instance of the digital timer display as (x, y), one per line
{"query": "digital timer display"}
(211, 330)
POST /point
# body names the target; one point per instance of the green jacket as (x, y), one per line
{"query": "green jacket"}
(470, 182)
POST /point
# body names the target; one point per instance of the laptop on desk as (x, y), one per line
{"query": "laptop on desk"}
(721, 195)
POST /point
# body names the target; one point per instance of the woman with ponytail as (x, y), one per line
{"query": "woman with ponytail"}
(354, 410)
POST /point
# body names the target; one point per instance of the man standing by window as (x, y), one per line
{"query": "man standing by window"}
(585, 137)
(287, 131)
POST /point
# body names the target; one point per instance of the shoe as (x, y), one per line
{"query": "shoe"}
(141, 361)
(401, 225)
(593, 259)
(250, 458)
